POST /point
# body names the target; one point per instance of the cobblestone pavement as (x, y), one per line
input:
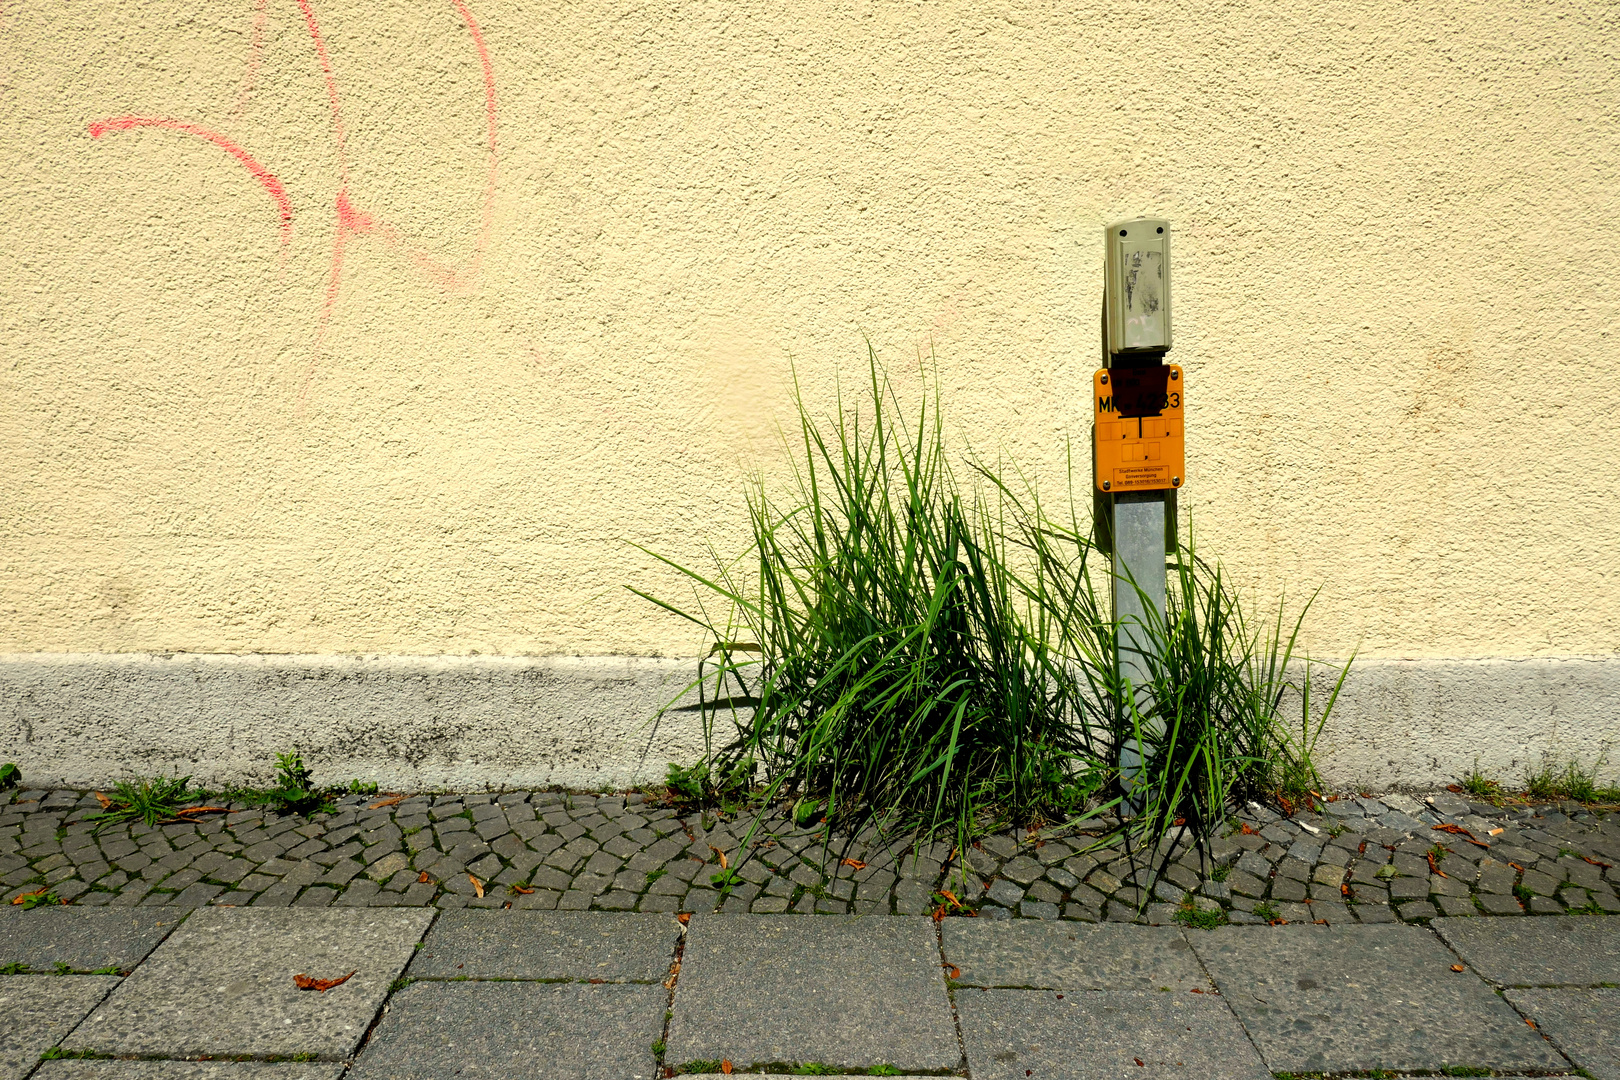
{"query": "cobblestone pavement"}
(1370, 860)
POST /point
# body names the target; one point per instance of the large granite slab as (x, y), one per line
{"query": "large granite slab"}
(1571, 950)
(1033, 953)
(548, 945)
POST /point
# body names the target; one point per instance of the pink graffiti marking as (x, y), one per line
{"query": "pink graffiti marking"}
(260, 173)
(350, 221)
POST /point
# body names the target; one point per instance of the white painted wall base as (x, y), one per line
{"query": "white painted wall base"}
(422, 722)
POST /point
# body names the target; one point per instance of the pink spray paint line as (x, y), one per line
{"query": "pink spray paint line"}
(250, 78)
(352, 222)
(263, 175)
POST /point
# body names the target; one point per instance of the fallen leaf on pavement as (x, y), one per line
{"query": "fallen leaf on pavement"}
(1345, 889)
(939, 912)
(1517, 867)
(1455, 789)
(725, 1066)
(721, 856)
(855, 864)
(1532, 1023)
(1434, 867)
(1458, 830)
(1250, 830)
(1139, 1062)
(422, 878)
(24, 897)
(478, 886)
(684, 917)
(392, 800)
(516, 889)
(674, 972)
(596, 982)
(304, 982)
(103, 800)
(203, 810)
(1458, 967)
(952, 971)
(1598, 862)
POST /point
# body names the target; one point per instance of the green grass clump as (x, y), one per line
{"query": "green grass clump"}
(1190, 915)
(1268, 911)
(917, 639)
(147, 801)
(1570, 782)
(1481, 786)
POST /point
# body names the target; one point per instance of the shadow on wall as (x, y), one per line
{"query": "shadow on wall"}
(350, 221)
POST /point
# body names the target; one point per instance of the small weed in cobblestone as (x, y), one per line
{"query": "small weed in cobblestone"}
(658, 1049)
(1464, 1070)
(1222, 872)
(56, 1053)
(10, 776)
(1571, 782)
(1196, 918)
(147, 801)
(1268, 911)
(39, 898)
(15, 968)
(1523, 893)
(700, 1066)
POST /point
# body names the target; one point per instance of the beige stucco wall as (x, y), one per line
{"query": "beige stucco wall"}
(1396, 281)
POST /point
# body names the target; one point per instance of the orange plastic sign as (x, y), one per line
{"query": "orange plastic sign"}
(1141, 441)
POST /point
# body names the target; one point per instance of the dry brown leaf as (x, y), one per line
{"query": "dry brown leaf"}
(26, 895)
(725, 1066)
(1345, 889)
(1249, 830)
(952, 971)
(721, 856)
(1517, 867)
(103, 800)
(1196, 990)
(684, 917)
(392, 800)
(422, 878)
(304, 982)
(478, 886)
(1458, 967)
(939, 913)
(674, 973)
(1598, 862)
(855, 864)
(1455, 789)
(516, 889)
(1458, 830)
(1139, 1062)
(1434, 867)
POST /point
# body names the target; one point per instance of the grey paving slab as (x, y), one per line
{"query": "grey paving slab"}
(1070, 956)
(1572, 950)
(37, 1010)
(223, 984)
(189, 1070)
(516, 1030)
(1343, 998)
(549, 945)
(1091, 1035)
(85, 939)
(1584, 1024)
(850, 992)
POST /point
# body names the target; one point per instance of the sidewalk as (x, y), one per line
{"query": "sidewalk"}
(1362, 860)
(428, 994)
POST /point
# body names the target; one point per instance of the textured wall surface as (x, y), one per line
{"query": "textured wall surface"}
(430, 722)
(382, 328)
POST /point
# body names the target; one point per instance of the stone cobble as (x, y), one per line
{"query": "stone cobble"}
(1394, 858)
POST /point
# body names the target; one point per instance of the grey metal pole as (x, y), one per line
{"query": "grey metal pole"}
(1138, 594)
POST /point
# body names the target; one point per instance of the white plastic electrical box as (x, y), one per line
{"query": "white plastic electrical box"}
(1137, 289)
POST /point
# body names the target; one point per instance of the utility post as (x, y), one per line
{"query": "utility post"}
(1139, 444)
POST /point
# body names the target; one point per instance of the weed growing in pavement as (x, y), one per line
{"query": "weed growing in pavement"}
(56, 1053)
(1222, 872)
(902, 648)
(1571, 782)
(1464, 1070)
(700, 1066)
(1523, 893)
(1268, 911)
(10, 776)
(658, 1049)
(147, 801)
(38, 898)
(14, 968)
(1437, 852)
(1196, 918)
(1481, 786)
